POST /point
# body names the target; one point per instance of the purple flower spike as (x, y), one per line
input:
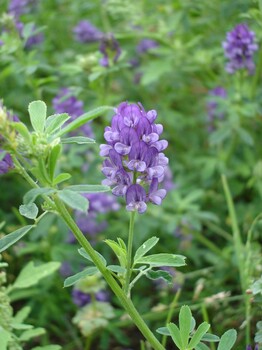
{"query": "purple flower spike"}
(135, 199)
(110, 49)
(134, 160)
(239, 48)
(6, 163)
(85, 32)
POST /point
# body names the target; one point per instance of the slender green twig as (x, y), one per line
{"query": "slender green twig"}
(170, 313)
(239, 249)
(129, 253)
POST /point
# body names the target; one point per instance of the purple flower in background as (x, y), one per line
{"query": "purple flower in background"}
(239, 48)
(19, 7)
(212, 106)
(99, 203)
(6, 162)
(65, 269)
(145, 45)
(85, 32)
(34, 39)
(80, 298)
(66, 102)
(110, 49)
(176, 280)
(249, 347)
(135, 163)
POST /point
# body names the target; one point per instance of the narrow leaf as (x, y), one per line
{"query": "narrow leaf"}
(31, 274)
(5, 338)
(80, 275)
(55, 121)
(80, 140)
(211, 338)
(37, 112)
(145, 247)
(32, 333)
(116, 268)
(185, 317)
(163, 331)
(74, 200)
(175, 334)
(202, 346)
(52, 160)
(228, 339)
(21, 315)
(31, 195)
(13, 237)
(88, 188)
(162, 260)
(61, 178)
(85, 255)
(22, 129)
(83, 119)
(201, 330)
(30, 210)
(154, 275)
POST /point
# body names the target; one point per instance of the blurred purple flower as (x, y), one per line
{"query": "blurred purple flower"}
(134, 156)
(66, 102)
(85, 32)
(212, 106)
(146, 45)
(80, 298)
(99, 203)
(239, 48)
(249, 347)
(162, 284)
(6, 162)
(32, 40)
(110, 49)
(65, 269)
(19, 7)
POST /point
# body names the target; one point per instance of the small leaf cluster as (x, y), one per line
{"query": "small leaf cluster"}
(186, 337)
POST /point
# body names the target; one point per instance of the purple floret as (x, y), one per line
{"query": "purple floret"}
(239, 48)
(135, 164)
(80, 298)
(66, 102)
(146, 45)
(85, 32)
(6, 162)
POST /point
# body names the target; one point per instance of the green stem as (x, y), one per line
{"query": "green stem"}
(238, 245)
(243, 265)
(129, 253)
(170, 313)
(206, 319)
(125, 301)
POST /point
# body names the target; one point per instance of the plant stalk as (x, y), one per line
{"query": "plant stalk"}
(129, 253)
(124, 300)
